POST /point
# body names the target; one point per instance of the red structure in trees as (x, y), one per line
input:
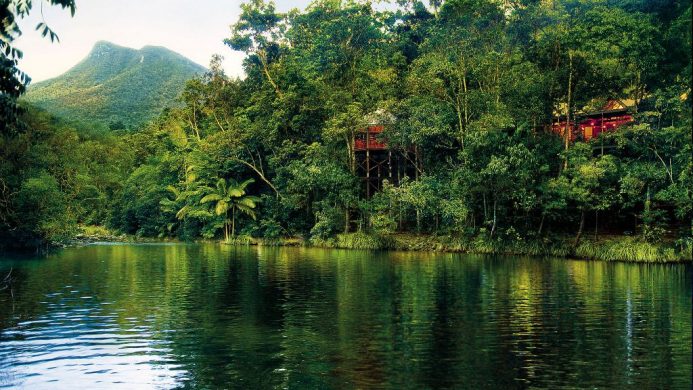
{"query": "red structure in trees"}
(589, 125)
(367, 139)
(377, 162)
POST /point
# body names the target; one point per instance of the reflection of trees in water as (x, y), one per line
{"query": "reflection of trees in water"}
(298, 317)
(6, 280)
(18, 295)
(10, 281)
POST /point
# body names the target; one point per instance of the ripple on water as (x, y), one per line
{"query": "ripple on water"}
(217, 317)
(74, 347)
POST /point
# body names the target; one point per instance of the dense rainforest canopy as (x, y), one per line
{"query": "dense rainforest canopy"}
(469, 84)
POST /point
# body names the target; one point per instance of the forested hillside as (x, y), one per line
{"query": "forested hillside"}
(469, 89)
(116, 86)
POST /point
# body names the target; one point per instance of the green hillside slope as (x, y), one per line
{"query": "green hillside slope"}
(115, 84)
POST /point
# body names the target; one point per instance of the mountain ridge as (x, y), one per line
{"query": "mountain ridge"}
(116, 86)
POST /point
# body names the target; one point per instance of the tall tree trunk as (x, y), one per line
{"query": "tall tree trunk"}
(541, 224)
(351, 149)
(459, 123)
(493, 227)
(646, 214)
(466, 100)
(568, 128)
(582, 225)
(638, 91)
(347, 216)
(265, 68)
(233, 222)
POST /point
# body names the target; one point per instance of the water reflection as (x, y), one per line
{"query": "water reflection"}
(80, 342)
(217, 316)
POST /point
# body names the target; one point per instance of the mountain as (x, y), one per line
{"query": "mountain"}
(116, 86)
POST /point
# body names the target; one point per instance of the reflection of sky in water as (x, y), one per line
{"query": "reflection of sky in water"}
(83, 343)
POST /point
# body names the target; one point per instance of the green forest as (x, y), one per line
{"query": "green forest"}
(469, 88)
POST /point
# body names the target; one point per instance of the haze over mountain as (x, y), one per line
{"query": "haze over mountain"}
(116, 86)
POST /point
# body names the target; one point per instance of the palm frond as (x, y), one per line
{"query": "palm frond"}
(183, 212)
(190, 174)
(235, 192)
(211, 198)
(173, 190)
(222, 207)
(246, 210)
(199, 214)
(254, 199)
(246, 202)
(221, 186)
(246, 183)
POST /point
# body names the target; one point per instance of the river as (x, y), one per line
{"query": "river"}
(215, 316)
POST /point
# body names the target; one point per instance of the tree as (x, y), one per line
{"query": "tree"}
(12, 80)
(257, 33)
(589, 184)
(231, 196)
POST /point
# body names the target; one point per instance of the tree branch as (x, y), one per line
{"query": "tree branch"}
(260, 174)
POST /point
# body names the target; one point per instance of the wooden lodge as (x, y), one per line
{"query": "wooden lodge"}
(367, 139)
(588, 125)
(376, 162)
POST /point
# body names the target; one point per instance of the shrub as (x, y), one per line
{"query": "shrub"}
(383, 223)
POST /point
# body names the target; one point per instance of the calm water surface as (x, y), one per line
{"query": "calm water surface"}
(212, 316)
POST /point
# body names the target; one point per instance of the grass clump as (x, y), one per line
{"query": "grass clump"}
(627, 249)
(360, 240)
(240, 240)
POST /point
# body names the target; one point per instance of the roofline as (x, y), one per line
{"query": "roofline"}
(592, 114)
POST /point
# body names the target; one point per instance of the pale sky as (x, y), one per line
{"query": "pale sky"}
(193, 28)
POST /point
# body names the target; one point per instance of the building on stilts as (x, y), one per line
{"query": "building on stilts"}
(376, 161)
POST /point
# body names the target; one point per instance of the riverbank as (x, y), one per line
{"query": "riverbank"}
(94, 234)
(612, 248)
(607, 248)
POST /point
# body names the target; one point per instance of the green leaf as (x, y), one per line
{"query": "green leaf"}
(222, 207)
(211, 198)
